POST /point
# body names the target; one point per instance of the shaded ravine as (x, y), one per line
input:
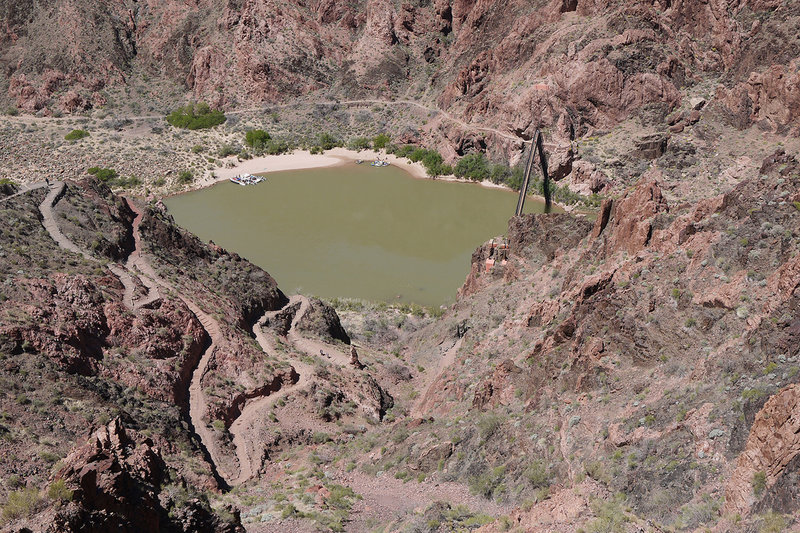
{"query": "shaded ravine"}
(197, 398)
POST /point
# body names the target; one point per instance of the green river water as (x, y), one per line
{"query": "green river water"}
(353, 231)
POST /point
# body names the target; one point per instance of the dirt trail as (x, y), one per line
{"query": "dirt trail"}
(449, 357)
(253, 411)
(49, 219)
(388, 499)
(134, 259)
(24, 189)
(252, 415)
(50, 223)
(197, 398)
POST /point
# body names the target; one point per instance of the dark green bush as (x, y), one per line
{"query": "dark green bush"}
(256, 138)
(380, 141)
(359, 143)
(186, 177)
(328, 141)
(196, 117)
(76, 135)
(473, 167)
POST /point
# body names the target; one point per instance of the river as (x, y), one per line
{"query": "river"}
(353, 231)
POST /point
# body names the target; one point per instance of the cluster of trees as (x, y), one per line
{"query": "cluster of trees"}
(196, 117)
(261, 142)
(431, 159)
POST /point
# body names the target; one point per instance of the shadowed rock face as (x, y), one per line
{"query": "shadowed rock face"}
(117, 486)
(321, 319)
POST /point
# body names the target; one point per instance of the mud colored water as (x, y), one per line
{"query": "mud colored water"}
(353, 231)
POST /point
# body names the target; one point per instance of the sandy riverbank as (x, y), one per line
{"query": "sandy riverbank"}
(303, 159)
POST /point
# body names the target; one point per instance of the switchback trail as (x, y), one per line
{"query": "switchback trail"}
(243, 428)
(197, 402)
(197, 399)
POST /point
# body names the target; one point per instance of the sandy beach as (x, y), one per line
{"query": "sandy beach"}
(303, 159)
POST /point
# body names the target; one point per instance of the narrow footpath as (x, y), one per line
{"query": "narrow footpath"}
(245, 427)
(198, 405)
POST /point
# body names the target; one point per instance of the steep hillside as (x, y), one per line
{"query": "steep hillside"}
(513, 66)
(640, 372)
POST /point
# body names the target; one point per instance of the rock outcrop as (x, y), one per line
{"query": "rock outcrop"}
(767, 470)
(117, 485)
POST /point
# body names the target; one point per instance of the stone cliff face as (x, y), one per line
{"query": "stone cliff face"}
(515, 66)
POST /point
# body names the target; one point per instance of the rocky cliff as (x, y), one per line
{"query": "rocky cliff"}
(584, 65)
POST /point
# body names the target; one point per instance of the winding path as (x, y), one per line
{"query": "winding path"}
(24, 189)
(197, 398)
(197, 401)
(252, 412)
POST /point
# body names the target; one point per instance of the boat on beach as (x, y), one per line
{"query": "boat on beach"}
(247, 179)
(379, 163)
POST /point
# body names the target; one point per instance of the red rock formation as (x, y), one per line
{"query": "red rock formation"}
(773, 443)
(629, 227)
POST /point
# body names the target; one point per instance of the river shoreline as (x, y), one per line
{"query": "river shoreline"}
(304, 160)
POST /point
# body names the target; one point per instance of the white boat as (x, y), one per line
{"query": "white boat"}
(247, 179)
(379, 163)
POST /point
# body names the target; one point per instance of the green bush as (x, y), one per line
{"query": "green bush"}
(226, 149)
(473, 167)
(76, 135)
(256, 138)
(359, 143)
(196, 117)
(12, 111)
(103, 174)
(7, 181)
(21, 503)
(198, 148)
(381, 141)
(328, 142)
(759, 483)
(59, 492)
(185, 177)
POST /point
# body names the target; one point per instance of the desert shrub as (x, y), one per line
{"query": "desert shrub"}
(103, 174)
(21, 503)
(328, 142)
(7, 181)
(76, 135)
(537, 475)
(380, 141)
(256, 138)
(58, 491)
(759, 483)
(196, 117)
(227, 149)
(359, 143)
(12, 111)
(490, 483)
(185, 177)
(198, 148)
